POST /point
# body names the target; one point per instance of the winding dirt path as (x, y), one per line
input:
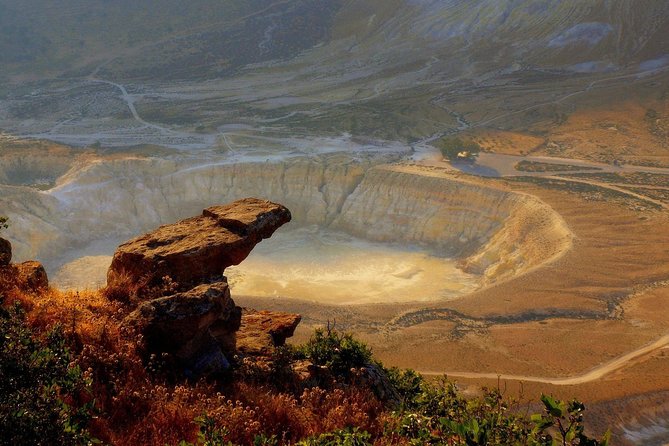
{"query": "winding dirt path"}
(616, 188)
(130, 102)
(502, 165)
(592, 375)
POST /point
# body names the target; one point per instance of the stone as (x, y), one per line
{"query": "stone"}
(262, 331)
(5, 252)
(207, 361)
(312, 375)
(196, 250)
(224, 330)
(180, 323)
(32, 275)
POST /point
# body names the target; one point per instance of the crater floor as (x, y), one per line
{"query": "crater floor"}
(318, 265)
(335, 268)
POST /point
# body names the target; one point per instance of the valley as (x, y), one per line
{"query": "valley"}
(541, 265)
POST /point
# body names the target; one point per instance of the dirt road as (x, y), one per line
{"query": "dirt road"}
(592, 375)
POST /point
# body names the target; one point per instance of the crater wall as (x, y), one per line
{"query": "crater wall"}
(495, 233)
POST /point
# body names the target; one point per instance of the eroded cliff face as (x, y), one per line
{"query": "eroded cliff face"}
(116, 199)
(495, 233)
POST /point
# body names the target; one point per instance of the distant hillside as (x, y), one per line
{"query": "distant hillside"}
(409, 70)
(143, 38)
(204, 38)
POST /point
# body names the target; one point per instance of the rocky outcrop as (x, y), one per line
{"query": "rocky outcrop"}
(374, 378)
(5, 252)
(32, 275)
(176, 323)
(198, 322)
(262, 331)
(196, 250)
(180, 324)
(27, 276)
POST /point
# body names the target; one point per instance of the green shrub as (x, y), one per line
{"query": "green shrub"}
(339, 352)
(450, 147)
(430, 413)
(211, 435)
(42, 392)
(438, 412)
(565, 421)
(342, 437)
(407, 382)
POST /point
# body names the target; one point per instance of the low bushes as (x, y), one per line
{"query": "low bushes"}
(68, 387)
(44, 396)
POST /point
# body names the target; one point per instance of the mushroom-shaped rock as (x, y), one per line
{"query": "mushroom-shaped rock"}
(196, 250)
(261, 331)
(180, 323)
(5, 252)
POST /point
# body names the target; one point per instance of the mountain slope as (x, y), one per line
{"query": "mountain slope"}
(168, 73)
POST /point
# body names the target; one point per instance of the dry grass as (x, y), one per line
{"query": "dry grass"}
(631, 131)
(512, 143)
(143, 401)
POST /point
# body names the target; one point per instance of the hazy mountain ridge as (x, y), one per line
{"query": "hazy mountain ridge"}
(393, 69)
(213, 38)
(540, 32)
(77, 37)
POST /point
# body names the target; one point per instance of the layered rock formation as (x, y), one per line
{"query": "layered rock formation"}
(181, 324)
(493, 232)
(197, 321)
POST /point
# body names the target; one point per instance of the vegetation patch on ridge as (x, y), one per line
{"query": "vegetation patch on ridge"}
(89, 378)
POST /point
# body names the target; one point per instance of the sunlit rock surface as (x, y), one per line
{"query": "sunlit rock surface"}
(198, 249)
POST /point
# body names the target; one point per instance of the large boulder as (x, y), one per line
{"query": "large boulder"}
(175, 323)
(262, 331)
(32, 275)
(175, 277)
(196, 250)
(180, 324)
(5, 252)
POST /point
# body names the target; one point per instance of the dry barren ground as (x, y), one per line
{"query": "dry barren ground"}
(603, 299)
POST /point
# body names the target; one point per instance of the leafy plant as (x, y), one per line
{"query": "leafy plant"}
(43, 393)
(264, 440)
(343, 437)
(211, 435)
(339, 352)
(439, 414)
(408, 383)
(4, 223)
(565, 421)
